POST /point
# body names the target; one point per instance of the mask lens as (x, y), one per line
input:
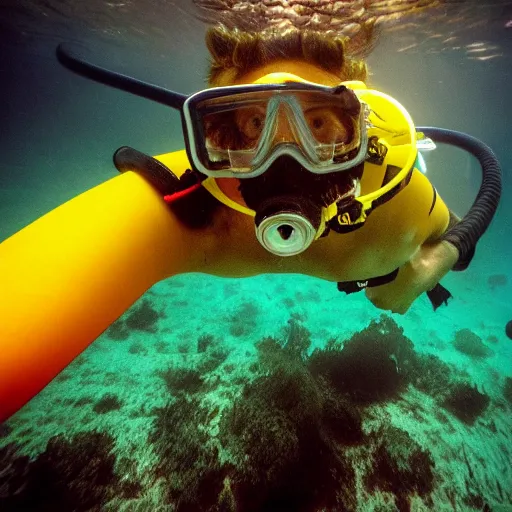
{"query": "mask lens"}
(240, 133)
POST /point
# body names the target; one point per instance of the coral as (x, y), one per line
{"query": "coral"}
(189, 465)
(432, 376)
(292, 348)
(280, 442)
(297, 340)
(5, 430)
(507, 389)
(340, 419)
(108, 402)
(401, 467)
(466, 402)
(284, 431)
(204, 342)
(290, 389)
(161, 347)
(143, 317)
(244, 320)
(13, 476)
(470, 344)
(269, 439)
(138, 348)
(75, 474)
(270, 354)
(182, 380)
(213, 361)
(373, 366)
(118, 331)
(285, 461)
(497, 280)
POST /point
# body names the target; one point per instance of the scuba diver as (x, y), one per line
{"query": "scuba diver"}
(292, 165)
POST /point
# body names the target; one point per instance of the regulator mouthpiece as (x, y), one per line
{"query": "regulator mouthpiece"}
(287, 228)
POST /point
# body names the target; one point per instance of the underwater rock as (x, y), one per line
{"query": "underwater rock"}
(466, 403)
(470, 344)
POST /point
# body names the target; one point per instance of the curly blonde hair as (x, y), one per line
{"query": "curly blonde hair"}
(235, 52)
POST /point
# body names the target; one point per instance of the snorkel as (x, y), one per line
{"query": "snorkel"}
(390, 130)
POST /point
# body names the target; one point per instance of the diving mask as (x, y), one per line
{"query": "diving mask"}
(239, 131)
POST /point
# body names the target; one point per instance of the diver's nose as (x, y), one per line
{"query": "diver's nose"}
(284, 132)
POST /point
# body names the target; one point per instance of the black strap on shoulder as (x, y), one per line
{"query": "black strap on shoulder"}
(391, 172)
(155, 172)
(194, 206)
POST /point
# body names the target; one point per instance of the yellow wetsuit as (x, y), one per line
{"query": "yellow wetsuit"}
(66, 277)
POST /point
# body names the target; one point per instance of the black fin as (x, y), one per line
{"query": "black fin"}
(439, 295)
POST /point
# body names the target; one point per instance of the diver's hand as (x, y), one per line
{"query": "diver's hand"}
(420, 274)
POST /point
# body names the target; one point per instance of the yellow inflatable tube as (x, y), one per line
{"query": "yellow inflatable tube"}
(56, 298)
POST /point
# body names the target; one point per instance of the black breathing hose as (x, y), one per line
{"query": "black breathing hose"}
(468, 231)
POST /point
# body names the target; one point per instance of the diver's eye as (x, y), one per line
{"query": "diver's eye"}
(250, 122)
(317, 123)
(326, 125)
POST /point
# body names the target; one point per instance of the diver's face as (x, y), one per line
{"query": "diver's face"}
(286, 176)
(328, 125)
(289, 199)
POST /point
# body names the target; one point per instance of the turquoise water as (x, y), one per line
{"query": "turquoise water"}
(275, 392)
